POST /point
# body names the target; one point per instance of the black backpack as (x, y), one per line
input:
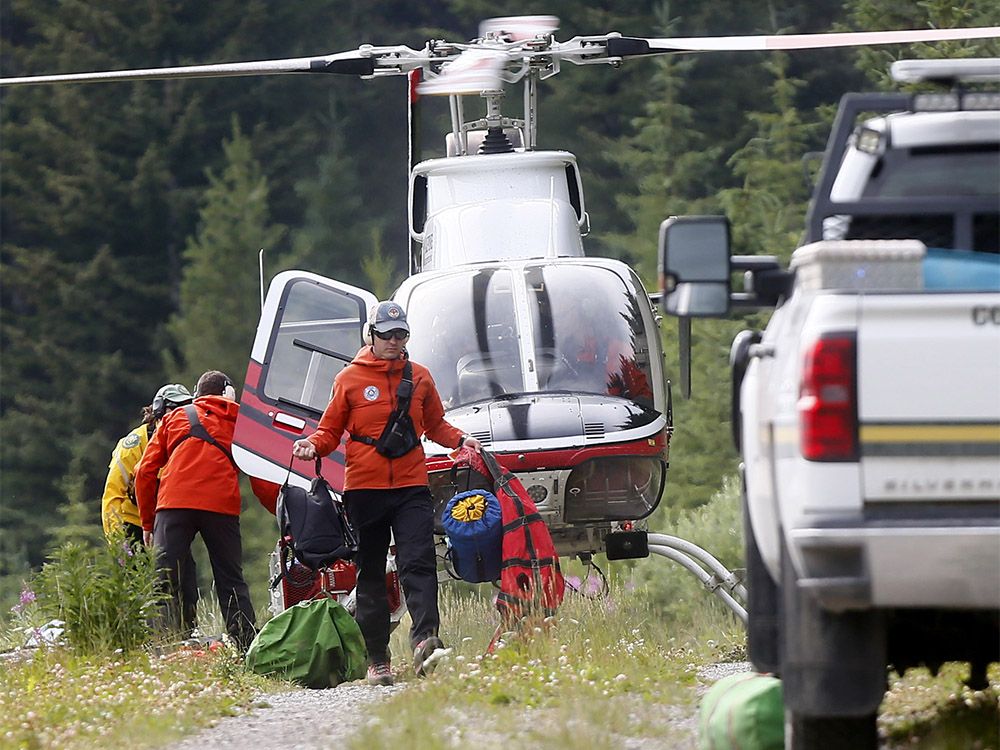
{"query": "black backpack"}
(314, 525)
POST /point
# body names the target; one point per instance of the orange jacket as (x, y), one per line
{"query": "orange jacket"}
(195, 474)
(364, 395)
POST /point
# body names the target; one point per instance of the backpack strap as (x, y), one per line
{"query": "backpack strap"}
(198, 431)
(288, 475)
(403, 395)
(405, 390)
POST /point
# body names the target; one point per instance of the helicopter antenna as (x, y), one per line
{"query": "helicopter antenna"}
(260, 270)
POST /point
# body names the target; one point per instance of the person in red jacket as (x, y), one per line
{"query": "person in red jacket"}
(388, 494)
(187, 483)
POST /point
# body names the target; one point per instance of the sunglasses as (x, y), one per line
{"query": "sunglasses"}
(397, 333)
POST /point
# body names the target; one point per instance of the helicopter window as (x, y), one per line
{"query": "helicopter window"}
(465, 332)
(574, 190)
(588, 332)
(317, 334)
(418, 205)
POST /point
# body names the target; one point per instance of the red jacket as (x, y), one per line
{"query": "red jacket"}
(364, 395)
(192, 473)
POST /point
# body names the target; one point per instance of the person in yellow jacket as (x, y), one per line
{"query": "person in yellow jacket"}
(118, 506)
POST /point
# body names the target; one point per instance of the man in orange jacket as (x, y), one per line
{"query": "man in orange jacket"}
(198, 492)
(387, 494)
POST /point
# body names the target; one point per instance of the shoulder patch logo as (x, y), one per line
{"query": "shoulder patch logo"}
(371, 393)
(131, 441)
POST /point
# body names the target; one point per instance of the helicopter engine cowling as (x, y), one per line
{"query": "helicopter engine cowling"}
(474, 233)
(460, 208)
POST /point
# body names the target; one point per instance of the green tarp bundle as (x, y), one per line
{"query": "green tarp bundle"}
(316, 644)
(743, 712)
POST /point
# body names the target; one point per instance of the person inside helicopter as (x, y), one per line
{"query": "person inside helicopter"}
(587, 341)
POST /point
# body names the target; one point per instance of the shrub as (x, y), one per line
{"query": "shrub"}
(105, 596)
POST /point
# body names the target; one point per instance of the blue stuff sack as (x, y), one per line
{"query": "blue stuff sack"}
(474, 526)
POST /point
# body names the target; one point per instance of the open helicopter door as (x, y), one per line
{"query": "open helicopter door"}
(310, 328)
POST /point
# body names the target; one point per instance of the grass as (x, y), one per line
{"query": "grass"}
(58, 699)
(940, 713)
(605, 670)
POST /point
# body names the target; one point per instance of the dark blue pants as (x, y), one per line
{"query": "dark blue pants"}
(408, 512)
(174, 530)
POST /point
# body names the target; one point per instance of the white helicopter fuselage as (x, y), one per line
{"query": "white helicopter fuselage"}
(551, 359)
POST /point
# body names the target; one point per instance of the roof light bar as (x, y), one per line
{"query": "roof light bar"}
(982, 69)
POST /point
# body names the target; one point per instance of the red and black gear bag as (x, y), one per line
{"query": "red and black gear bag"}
(531, 582)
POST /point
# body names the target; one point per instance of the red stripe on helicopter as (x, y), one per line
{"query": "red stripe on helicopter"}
(257, 432)
(566, 458)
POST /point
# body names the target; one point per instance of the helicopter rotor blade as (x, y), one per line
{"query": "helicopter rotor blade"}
(518, 28)
(473, 71)
(364, 61)
(633, 46)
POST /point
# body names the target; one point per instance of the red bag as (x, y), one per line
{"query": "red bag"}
(531, 582)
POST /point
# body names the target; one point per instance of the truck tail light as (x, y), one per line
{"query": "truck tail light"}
(828, 403)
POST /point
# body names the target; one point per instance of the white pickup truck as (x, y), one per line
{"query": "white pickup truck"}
(868, 411)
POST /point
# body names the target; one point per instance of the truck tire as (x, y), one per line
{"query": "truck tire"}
(841, 733)
(833, 669)
(763, 600)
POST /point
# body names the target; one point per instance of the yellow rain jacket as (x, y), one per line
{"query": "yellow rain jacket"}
(118, 505)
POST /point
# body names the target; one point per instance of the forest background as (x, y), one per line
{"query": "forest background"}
(131, 214)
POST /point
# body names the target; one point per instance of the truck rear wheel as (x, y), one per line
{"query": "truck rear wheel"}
(833, 670)
(840, 733)
(762, 604)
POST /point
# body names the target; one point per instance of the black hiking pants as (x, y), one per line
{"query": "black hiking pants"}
(174, 530)
(408, 513)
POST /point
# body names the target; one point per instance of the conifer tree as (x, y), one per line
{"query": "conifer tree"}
(767, 210)
(219, 292)
(336, 233)
(941, 14)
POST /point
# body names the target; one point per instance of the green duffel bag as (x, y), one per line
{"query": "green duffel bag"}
(316, 644)
(743, 712)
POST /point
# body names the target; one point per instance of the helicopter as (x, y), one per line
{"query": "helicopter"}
(551, 358)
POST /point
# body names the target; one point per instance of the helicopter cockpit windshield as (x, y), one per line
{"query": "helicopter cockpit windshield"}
(468, 336)
(546, 327)
(588, 333)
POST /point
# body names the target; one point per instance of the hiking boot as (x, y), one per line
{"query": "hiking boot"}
(380, 673)
(427, 654)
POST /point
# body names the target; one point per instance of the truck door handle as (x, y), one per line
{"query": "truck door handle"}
(760, 351)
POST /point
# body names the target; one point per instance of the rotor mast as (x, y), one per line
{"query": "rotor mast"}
(494, 122)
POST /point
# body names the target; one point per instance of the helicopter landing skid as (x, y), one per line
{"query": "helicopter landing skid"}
(714, 576)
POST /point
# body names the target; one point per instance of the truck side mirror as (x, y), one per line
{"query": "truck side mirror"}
(694, 266)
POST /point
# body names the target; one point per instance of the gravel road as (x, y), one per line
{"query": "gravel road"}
(302, 719)
(299, 719)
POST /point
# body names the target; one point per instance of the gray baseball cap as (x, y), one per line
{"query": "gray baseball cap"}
(389, 316)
